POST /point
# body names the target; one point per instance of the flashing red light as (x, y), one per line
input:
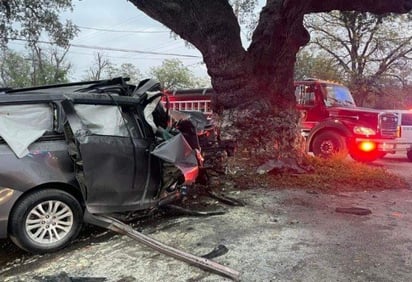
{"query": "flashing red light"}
(367, 146)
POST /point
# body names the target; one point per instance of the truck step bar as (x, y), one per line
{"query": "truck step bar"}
(124, 229)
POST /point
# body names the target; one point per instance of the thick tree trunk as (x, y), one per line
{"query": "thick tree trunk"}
(255, 87)
(261, 112)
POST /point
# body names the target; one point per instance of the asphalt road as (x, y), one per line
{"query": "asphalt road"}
(279, 235)
(397, 163)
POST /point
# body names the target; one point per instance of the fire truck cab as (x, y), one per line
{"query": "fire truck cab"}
(332, 123)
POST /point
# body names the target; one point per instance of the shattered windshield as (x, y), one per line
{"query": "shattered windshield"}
(337, 95)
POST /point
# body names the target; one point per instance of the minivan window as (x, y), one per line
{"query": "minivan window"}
(102, 119)
(21, 125)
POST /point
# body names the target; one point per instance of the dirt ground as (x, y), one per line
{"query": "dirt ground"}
(279, 235)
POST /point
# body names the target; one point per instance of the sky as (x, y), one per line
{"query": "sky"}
(105, 23)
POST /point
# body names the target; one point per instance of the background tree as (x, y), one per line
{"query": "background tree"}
(368, 49)
(125, 70)
(310, 65)
(172, 74)
(49, 66)
(37, 67)
(99, 69)
(27, 20)
(15, 70)
(202, 82)
(255, 86)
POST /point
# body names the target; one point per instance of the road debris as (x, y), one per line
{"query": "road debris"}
(354, 210)
(220, 250)
(124, 229)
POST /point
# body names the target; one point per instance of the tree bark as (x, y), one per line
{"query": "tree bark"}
(254, 86)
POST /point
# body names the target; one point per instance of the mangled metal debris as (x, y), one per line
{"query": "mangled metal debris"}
(201, 262)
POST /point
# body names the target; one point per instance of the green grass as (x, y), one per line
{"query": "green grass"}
(329, 175)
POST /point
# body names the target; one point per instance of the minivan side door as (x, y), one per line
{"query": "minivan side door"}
(111, 155)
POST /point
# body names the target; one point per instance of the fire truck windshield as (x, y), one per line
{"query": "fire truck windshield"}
(338, 96)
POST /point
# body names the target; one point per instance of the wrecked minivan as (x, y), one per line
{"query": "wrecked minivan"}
(100, 147)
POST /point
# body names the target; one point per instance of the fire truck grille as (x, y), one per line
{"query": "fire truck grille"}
(388, 124)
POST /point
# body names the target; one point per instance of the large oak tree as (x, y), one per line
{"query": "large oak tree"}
(255, 85)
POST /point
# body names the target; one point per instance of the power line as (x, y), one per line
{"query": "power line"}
(125, 31)
(93, 34)
(123, 57)
(117, 57)
(115, 49)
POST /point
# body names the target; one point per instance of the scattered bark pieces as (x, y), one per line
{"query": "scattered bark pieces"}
(225, 199)
(185, 211)
(354, 210)
(287, 165)
(220, 250)
(64, 277)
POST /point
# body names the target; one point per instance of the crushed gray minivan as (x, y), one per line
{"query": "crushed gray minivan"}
(102, 147)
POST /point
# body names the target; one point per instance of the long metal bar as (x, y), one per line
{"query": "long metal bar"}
(122, 228)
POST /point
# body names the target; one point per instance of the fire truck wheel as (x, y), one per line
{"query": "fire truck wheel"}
(327, 144)
(409, 155)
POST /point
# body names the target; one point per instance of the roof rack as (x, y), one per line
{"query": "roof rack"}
(91, 84)
(5, 89)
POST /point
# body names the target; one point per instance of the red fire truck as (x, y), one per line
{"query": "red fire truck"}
(331, 122)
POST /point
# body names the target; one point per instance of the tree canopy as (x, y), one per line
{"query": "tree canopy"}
(27, 20)
(126, 70)
(311, 65)
(368, 50)
(172, 74)
(37, 67)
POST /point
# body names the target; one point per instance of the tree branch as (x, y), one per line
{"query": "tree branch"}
(277, 38)
(213, 29)
(373, 6)
(336, 56)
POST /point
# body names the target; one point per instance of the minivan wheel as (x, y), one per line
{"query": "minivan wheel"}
(45, 221)
(327, 144)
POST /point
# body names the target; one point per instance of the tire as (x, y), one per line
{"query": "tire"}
(45, 221)
(328, 144)
(409, 155)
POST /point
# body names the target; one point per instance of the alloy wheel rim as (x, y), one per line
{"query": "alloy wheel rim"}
(49, 222)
